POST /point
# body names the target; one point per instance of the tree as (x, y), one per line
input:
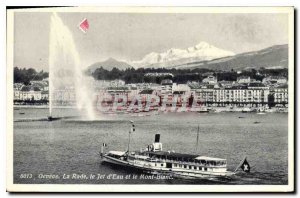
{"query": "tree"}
(26, 75)
(271, 101)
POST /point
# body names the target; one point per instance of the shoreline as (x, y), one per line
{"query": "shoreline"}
(42, 107)
(212, 109)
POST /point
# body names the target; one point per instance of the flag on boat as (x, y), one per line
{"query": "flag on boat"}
(84, 25)
(245, 166)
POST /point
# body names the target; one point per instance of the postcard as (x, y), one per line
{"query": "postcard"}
(150, 99)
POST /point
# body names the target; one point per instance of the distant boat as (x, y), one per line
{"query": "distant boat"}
(218, 110)
(271, 110)
(109, 112)
(261, 113)
(246, 110)
(241, 117)
(203, 110)
(138, 115)
(256, 122)
(50, 118)
(21, 113)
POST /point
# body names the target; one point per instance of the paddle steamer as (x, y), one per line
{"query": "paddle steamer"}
(154, 160)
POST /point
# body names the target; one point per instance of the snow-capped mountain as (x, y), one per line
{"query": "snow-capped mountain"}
(201, 52)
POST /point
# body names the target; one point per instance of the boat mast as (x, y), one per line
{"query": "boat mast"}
(129, 134)
(197, 140)
(128, 141)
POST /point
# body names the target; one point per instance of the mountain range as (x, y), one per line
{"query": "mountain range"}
(200, 52)
(207, 56)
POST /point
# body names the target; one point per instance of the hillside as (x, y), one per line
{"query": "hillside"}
(109, 64)
(272, 57)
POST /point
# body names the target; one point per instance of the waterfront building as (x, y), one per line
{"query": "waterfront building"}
(45, 95)
(143, 86)
(239, 95)
(183, 88)
(147, 95)
(64, 97)
(17, 94)
(166, 87)
(281, 95)
(29, 93)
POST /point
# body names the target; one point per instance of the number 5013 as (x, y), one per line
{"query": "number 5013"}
(25, 176)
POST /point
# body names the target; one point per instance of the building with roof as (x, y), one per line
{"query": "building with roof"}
(64, 97)
(275, 80)
(181, 88)
(28, 93)
(41, 84)
(156, 74)
(143, 86)
(166, 87)
(239, 95)
(18, 86)
(243, 79)
(226, 84)
(210, 80)
(45, 95)
(281, 95)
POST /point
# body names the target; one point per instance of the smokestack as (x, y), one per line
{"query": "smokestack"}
(157, 137)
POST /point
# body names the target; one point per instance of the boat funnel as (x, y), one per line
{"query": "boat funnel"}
(157, 138)
(157, 146)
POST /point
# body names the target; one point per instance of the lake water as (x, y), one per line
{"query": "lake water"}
(71, 146)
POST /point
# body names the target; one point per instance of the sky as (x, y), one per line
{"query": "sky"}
(130, 36)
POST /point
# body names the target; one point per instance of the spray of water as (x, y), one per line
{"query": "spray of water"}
(65, 69)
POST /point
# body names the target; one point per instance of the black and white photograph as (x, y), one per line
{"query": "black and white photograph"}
(150, 99)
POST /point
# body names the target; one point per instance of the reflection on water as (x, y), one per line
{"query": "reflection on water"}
(72, 145)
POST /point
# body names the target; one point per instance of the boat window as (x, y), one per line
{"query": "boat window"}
(162, 165)
(184, 166)
(155, 164)
(205, 169)
(190, 167)
(195, 167)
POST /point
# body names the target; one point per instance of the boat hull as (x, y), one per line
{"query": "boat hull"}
(187, 174)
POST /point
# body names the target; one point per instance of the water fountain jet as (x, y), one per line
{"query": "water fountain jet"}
(65, 69)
